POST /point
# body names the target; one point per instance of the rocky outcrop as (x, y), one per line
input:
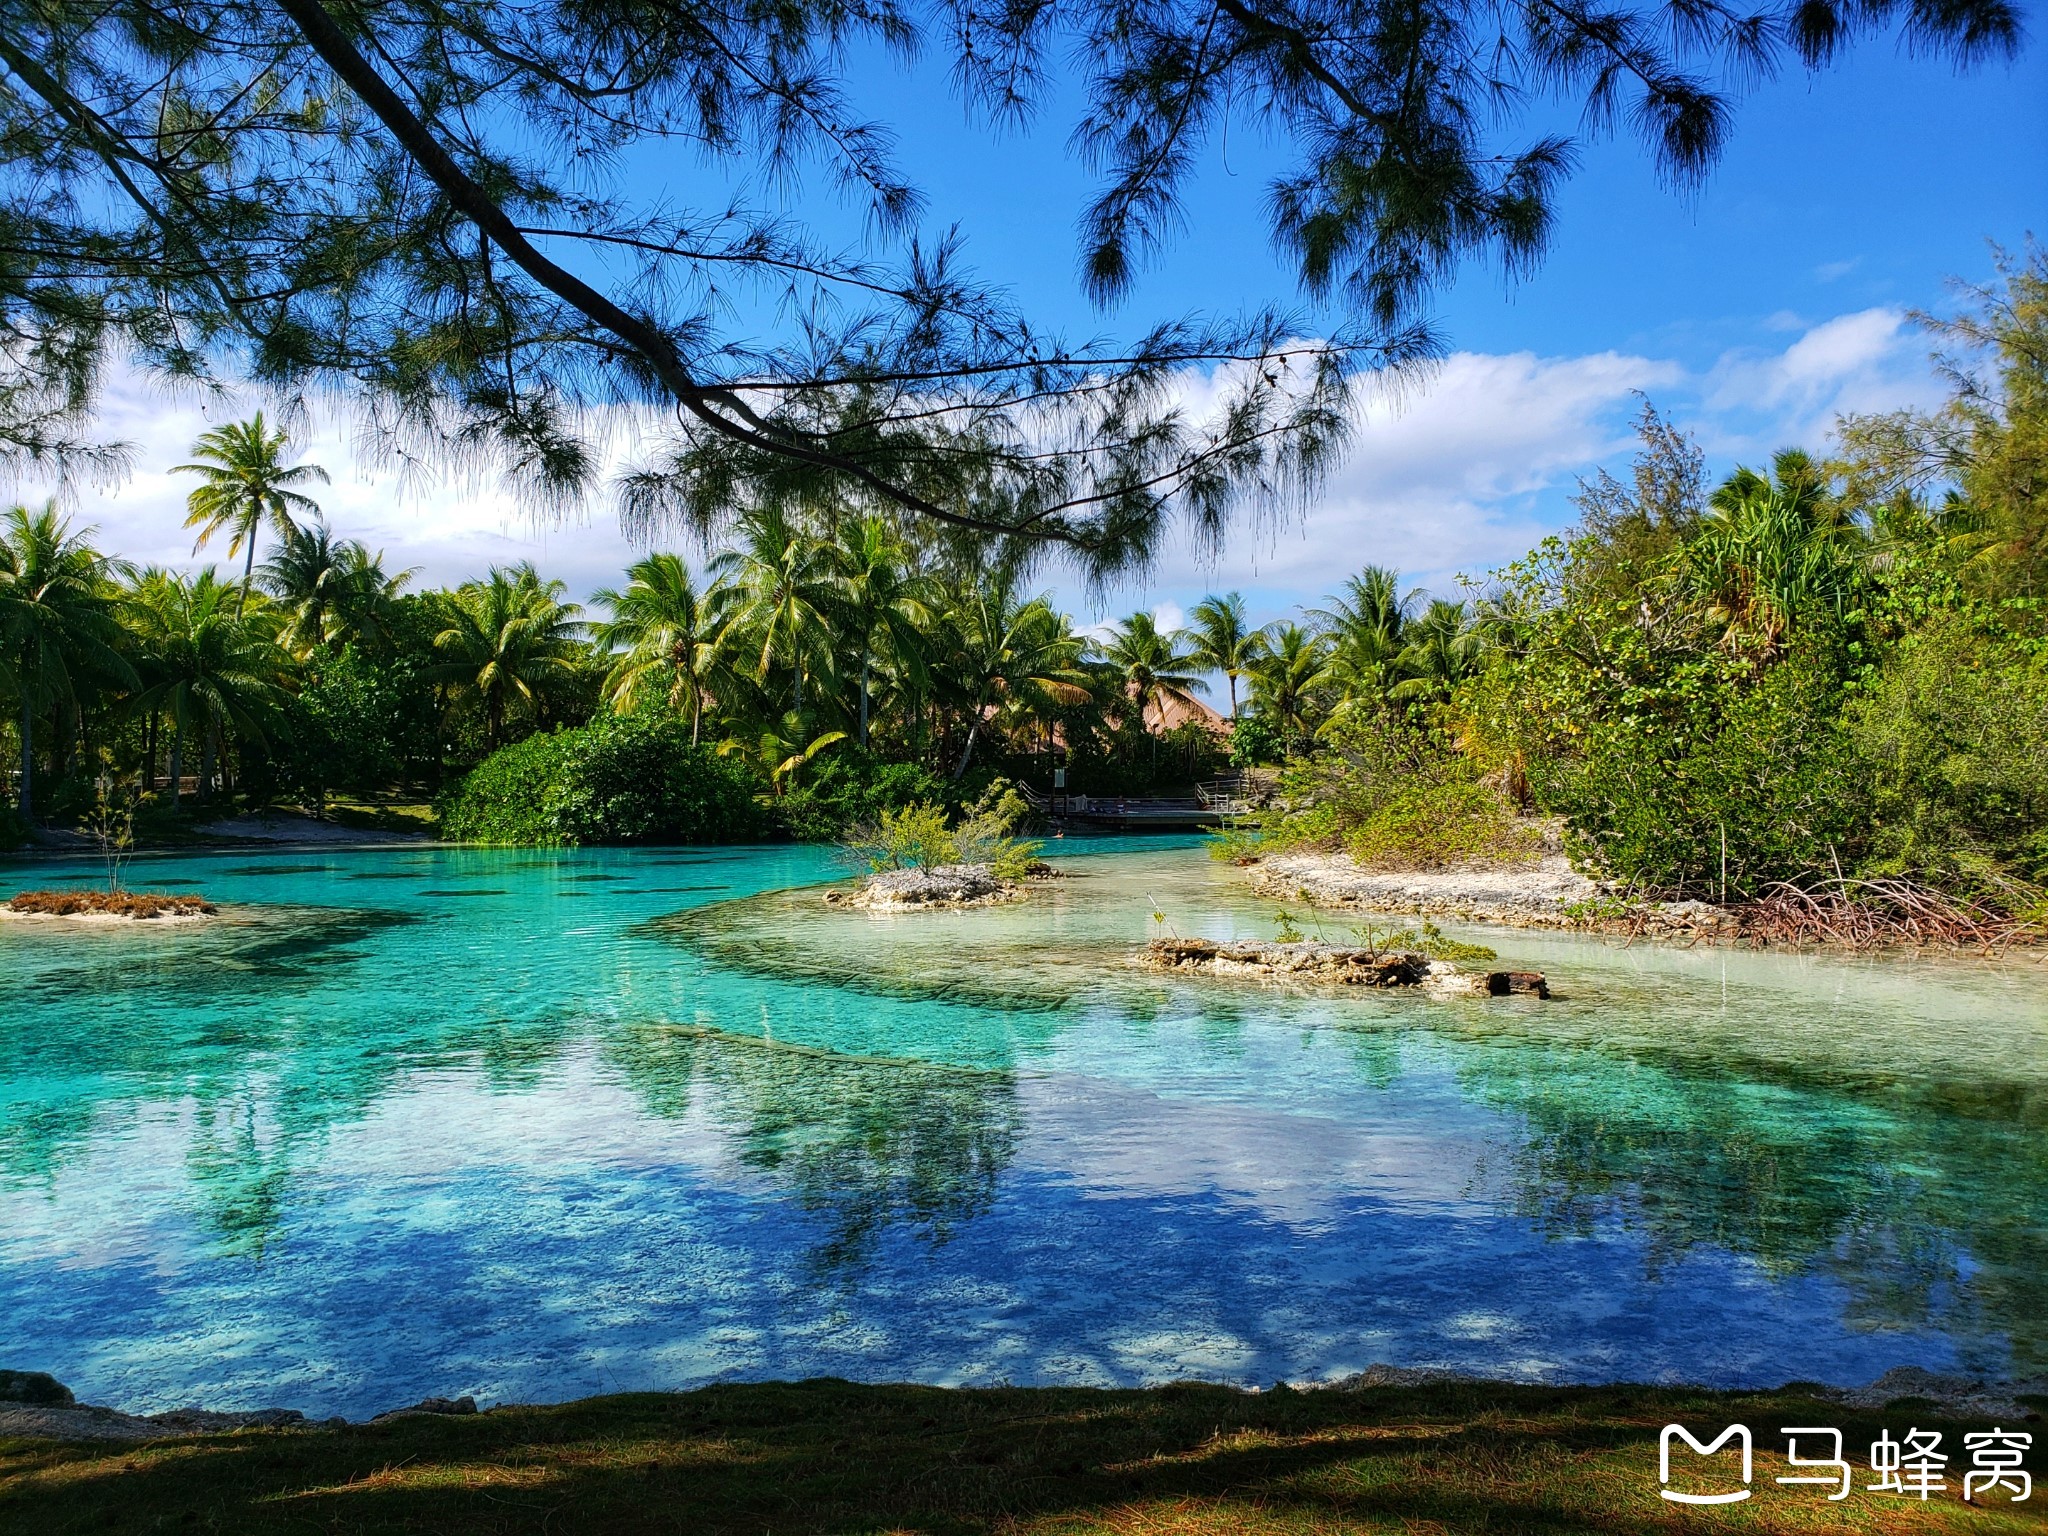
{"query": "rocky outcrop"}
(34, 1405)
(1547, 895)
(1334, 964)
(943, 885)
(1535, 896)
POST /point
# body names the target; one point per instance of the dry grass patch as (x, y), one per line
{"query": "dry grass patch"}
(140, 905)
(834, 1457)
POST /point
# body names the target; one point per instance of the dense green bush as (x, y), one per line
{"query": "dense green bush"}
(1952, 737)
(849, 788)
(620, 779)
(1731, 778)
(1393, 794)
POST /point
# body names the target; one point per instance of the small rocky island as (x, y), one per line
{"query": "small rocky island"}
(940, 885)
(1338, 964)
(107, 906)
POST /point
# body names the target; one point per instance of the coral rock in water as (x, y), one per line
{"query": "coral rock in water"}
(943, 885)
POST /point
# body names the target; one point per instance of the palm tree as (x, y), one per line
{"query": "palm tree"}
(56, 619)
(882, 603)
(246, 484)
(666, 633)
(781, 583)
(212, 667)
(1292, 669)
(512, 638)
(1444, 647)
(332, 591)
(781, 748)
(1366, 623)
(1223, 641)
(1006, 650)
(1152, 667)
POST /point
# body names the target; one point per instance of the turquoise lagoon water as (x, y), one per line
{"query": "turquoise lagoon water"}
(536, 1125)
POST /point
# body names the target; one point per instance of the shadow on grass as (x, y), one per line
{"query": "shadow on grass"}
(831, 1456)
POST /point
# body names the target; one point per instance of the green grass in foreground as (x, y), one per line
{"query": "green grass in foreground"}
(829, 1456)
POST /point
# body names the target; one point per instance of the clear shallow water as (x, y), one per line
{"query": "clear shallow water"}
(534, 1125)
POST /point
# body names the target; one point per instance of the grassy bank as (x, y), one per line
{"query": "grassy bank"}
(828, 1456)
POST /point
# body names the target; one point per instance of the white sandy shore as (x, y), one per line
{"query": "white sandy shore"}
(274, 827)
(1534, 896)
(105, 919)
(1540, 895)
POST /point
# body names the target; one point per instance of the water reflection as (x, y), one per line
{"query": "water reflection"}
(1739, 1158)
(862, 1143)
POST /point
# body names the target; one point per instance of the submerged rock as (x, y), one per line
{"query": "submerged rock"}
(1955, 1394)
(943, 885)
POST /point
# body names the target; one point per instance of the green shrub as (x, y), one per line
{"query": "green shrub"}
(1393, 795)
(852, 788)
(1728, 777)
(1952, 738)
(620, 779)
(922, 835)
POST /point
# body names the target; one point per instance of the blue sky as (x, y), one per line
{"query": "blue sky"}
(1751, 310)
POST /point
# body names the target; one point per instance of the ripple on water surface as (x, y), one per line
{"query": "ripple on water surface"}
(358, 1141)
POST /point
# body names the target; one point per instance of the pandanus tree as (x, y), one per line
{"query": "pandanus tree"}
(245, 486)
(510, 640)
(1773, 552)
(666, 635)
(56, 622)
(211, 666)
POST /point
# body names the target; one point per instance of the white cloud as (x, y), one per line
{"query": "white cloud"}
(1461, 474)
(1870, 360)
(1446, 478)
(449, 530)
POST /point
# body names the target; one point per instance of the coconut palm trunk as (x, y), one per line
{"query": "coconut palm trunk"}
(865, 657)
(28, 755)
(177, 758)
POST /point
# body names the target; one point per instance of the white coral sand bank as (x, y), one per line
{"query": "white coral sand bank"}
(1528, 896)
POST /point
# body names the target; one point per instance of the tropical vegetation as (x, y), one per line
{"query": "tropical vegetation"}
(1827, 667)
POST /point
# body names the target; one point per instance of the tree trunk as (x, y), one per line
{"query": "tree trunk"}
(1231, 678)
(248, 571)
(177, 759)
(973, 730)
(863, 698)
(26, 799)
(206, 750)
